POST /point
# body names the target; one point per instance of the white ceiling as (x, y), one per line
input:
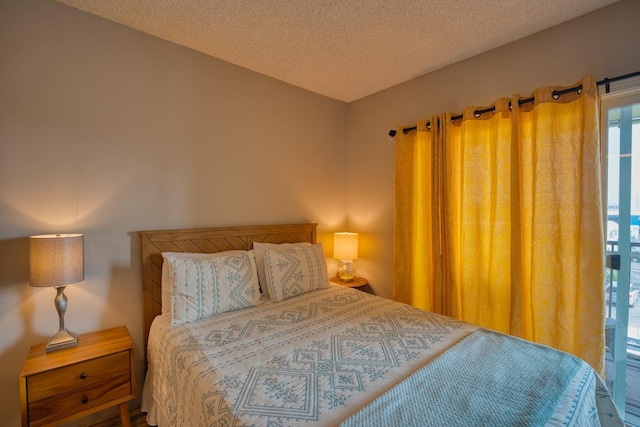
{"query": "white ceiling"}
(343, 49)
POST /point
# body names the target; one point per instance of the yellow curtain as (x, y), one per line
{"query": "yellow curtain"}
(413, 233)
(498, 219)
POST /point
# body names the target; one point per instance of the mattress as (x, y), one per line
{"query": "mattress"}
(340, 356)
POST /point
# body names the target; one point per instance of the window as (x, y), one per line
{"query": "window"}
(621, 116)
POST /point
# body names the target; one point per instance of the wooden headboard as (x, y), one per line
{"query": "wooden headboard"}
(204, 240)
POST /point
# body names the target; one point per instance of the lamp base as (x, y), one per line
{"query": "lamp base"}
(62, 339)
(346, 270)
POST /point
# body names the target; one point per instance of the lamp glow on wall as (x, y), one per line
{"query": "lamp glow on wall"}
(345, 250)
(57, 260)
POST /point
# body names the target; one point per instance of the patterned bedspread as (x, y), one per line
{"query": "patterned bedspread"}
(316, 360)
(561, 390)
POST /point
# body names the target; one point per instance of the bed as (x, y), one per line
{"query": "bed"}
(281, 346)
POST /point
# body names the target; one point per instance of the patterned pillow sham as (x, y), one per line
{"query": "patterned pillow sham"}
(168, 276)
(259, 252)
(295, 270)
(205, 286)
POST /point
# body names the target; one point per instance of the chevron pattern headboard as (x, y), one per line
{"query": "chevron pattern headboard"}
(205, 240)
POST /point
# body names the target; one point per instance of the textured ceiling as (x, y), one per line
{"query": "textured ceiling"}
(343, 49)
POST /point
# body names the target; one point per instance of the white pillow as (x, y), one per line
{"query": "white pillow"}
(168, 276)
(259, 251)
(205, 286)
(295, 270)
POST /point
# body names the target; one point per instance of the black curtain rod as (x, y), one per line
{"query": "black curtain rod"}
(556, 94)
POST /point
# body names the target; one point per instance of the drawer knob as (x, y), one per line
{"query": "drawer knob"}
(83, 376)
(84, 399)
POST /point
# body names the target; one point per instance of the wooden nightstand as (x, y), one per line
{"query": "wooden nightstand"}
(357, 282)
(67, 384)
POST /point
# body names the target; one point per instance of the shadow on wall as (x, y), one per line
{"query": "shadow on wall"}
(125, 302)
(17, 308)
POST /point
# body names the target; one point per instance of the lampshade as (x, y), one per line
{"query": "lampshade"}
(345, 246)
(57, 259)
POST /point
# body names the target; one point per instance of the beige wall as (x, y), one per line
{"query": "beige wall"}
(603, 43)
(107, 131)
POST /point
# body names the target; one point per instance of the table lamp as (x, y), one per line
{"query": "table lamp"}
(345, 250)
(58, 260)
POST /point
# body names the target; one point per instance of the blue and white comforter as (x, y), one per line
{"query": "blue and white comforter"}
(339, 355)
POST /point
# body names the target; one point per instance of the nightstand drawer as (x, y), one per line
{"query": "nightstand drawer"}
(62, 405)
(76, 376)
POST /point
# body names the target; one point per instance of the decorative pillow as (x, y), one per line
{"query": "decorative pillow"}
(259, 251)
(295, 270)
(168, 277)
(205, 286)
